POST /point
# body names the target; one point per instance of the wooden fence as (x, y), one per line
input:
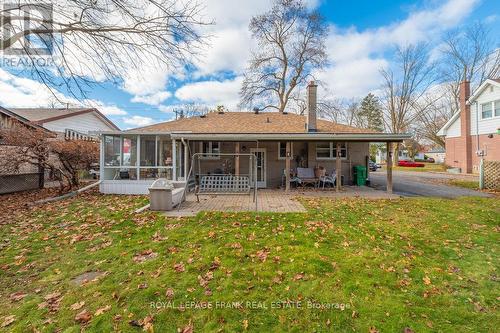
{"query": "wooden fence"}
(491, 175)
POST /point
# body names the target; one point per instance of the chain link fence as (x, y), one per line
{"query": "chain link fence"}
(19, 182)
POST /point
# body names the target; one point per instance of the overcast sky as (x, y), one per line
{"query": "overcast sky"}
(360, 43)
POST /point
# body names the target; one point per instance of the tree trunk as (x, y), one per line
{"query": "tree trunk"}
(395, 154)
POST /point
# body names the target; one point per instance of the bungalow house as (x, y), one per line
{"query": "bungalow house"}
(132, 159)
(69, 123)
(474, 132)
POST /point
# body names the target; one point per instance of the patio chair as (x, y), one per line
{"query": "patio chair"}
(328, 179)
(293, 179)
(331, 179)
(306, 176)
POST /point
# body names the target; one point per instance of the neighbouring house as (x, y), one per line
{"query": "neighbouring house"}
(438, 154)
(131, 160)
(62, 124)
(69, 123)
(381, 156)
(473, 132)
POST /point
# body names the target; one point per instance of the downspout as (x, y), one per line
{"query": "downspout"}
(481, 162)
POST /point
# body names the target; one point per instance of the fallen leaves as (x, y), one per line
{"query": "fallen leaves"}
(186, 329)
(52, 302)
(102, 310)
(179, 268)
(427, 280)
(17, 296)
(8, 320)
(83, 317)
(169, 293)
(145, 255)
(146, 324)
(215, 264)
(262, 254)
(77, 306)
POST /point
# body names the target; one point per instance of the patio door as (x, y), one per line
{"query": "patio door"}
(260, 154)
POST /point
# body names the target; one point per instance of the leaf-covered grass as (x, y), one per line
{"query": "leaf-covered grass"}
(345, 265)
(470, 184)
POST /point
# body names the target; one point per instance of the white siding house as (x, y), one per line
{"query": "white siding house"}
(69, 121)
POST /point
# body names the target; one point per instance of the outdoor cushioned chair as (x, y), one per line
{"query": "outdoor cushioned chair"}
(330, 179)
(306, 176)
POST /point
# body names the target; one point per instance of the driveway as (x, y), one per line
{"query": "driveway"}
(426, 184)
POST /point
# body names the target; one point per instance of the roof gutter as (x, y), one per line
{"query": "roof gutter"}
(368, 137)
(317, 136)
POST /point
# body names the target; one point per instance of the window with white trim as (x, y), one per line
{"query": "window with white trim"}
(486, 110)
(210, 149)
(328, 150)
(282, 150)
(497, 108)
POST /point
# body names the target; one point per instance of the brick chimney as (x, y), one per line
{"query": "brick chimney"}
(312, 92)
(465, 128)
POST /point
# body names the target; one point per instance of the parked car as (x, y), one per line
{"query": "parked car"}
(372, 166)
(410, 164)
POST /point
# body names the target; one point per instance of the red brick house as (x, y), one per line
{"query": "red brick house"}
(473, 132)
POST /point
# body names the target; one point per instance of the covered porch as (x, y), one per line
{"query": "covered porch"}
(131, 161)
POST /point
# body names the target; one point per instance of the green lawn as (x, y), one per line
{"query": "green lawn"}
(470, 184)
(347, 266)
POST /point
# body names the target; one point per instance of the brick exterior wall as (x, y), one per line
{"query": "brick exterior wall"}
(455, 148)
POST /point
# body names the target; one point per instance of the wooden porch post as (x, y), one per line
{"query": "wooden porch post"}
(174, 160)
(186, 160)
(338, 166)
(237, 159)
(389, 167)
(287, 166)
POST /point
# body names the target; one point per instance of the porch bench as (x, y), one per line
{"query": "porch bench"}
(222, 184)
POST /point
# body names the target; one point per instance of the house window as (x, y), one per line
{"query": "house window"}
(497, 108)
(328, 150)
(282, 150)
(323, 150)
(210, 149)
(486, 111)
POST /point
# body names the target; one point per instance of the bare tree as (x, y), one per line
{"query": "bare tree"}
(404, 85)
(469, 55)
(35, 147)
(190, 110)
(433, 111)
(290, 46)
(92, 41)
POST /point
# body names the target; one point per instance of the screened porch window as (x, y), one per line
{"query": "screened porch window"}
(112, 151)
(139, 157)
(129, 147)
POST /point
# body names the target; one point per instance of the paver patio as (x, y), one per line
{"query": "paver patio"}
(276, 201)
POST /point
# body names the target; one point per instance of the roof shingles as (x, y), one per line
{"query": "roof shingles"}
(247, 123)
